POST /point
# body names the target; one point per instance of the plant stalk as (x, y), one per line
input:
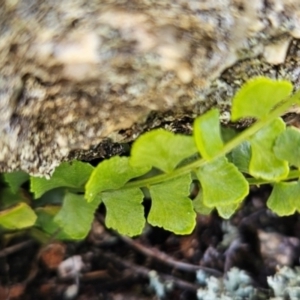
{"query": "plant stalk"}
(243, 136)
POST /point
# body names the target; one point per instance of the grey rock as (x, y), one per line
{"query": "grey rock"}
(75, 73)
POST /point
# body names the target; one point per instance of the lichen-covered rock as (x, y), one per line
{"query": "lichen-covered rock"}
(73, 73)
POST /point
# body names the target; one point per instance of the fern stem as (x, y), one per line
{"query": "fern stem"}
(295, 174)
(243, 136)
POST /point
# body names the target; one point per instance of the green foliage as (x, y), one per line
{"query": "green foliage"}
(17, 217)
(45, 222)
(287, 146)
(222, 183)
(258, 96)
(162, 149)
(226, 211)
(76, 215)
(161, 169)
(16, 179)
(71, 175)
(207, 134)
(285, 198)
(264, 163)
(125, 212)
(171, 207)
(8, 198)
(241, 155)
(199, 205)
(112, 174)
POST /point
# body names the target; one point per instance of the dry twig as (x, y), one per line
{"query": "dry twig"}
(15, 248)
(158, 255)
(145, 272)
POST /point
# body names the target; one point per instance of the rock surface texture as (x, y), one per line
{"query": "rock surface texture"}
(73, 73)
